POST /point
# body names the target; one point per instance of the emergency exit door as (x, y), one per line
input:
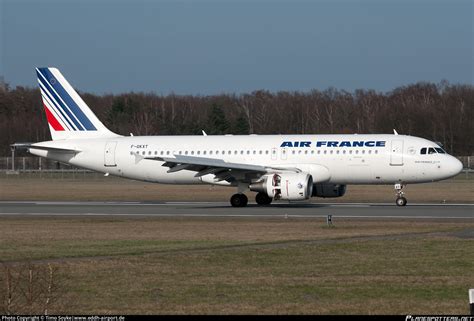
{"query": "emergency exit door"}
(396, 153)
(274, 154)
(109, 154)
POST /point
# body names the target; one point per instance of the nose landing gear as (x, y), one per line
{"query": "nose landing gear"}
(400, 201)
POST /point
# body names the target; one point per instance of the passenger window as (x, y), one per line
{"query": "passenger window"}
(423, 151)
(431, 151)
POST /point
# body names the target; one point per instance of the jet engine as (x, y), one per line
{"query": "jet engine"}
(285, 186)
(328, 190)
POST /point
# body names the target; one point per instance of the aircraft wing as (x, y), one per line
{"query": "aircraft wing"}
(221, 169)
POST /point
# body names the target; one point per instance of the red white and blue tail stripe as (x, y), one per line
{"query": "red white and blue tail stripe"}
(67, 114)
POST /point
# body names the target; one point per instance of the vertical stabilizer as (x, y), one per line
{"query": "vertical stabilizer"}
(68, 115)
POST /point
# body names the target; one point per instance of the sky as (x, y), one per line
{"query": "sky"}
(211, 47)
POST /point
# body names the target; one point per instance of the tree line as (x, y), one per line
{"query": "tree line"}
(440, 112)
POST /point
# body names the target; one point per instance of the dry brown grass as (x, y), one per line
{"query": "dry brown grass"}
(460, 189)
(248, 265)
(25, 230)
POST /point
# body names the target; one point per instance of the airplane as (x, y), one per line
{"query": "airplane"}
(276, 167)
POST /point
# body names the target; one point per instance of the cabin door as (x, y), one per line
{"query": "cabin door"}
(396, 153)
(109, 154)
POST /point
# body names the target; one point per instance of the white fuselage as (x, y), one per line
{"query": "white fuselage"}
(344, 160)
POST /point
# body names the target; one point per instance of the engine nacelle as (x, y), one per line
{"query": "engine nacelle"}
(285, 186)
(328, 190)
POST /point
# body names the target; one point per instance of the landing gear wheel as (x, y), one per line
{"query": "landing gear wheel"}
(239, 200)
(401, 201)
(263, 199)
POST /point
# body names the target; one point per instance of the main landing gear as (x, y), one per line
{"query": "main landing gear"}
(239, 200)
(263, 199)
(400, 201)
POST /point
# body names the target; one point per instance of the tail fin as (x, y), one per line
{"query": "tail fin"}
(68, 115)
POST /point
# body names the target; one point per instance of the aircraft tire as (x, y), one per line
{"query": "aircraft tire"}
(263, 199)
(239, 200)
(401, 201)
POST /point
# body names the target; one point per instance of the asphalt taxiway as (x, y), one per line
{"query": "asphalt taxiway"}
(223, 209)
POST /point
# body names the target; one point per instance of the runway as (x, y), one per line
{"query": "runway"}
(223, 209)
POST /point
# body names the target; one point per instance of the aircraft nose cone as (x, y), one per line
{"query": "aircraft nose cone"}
(455, 166)
(458, 166)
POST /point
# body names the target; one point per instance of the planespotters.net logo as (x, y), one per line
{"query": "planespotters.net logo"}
(439, 318)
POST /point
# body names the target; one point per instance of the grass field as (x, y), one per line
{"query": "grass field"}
(95, 187)
(234, 266)
(137, 265)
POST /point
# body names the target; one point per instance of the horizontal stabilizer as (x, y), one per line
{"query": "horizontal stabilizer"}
(43, 147)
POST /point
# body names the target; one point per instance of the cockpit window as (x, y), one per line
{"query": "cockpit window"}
(432, 150)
